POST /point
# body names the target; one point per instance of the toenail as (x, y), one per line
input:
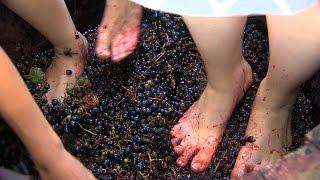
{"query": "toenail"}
(197, 166)
(115, 57)
(105, 53)
(180, 163)
(118, 57)
(175, 141)
(178, 149)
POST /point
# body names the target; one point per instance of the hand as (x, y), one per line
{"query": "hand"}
(63, 166)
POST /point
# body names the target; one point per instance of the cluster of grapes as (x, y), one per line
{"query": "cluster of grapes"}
(116, 119)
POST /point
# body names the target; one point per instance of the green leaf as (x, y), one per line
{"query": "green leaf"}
(83, 82)
(36, 75)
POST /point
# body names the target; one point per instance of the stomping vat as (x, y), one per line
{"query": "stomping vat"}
(30, 41)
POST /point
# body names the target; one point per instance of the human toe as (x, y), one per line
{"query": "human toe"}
(180, 131)
(178, 149)
(103, 45)
(188, 152)
(239, 169)
(203, 158)
(119, 48)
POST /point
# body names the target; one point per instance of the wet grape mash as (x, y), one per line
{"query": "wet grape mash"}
(118, 116)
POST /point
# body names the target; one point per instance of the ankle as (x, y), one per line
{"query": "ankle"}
(75, 45)
(235, 81)
(78, 47)
(274, 98)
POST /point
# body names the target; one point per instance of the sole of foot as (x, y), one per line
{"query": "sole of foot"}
(269, 125)
(119, 30)
(199, 131)
(66, 67)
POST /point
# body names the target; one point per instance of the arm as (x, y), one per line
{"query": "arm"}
(23, 115)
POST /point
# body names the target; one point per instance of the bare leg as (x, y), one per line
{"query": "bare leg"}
(295, 52)
(199, 131)
(53, 20)
(22, 114)
(119, 29)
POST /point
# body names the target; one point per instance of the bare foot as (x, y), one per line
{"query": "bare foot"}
(119, 29)
(269, 125)
(199, 131)
(66, 67)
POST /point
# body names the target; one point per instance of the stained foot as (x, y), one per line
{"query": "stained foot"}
(199, 131)
(269, 125)
(119, 30)
(66, 67)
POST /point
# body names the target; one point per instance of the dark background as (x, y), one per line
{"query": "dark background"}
(18, 38)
